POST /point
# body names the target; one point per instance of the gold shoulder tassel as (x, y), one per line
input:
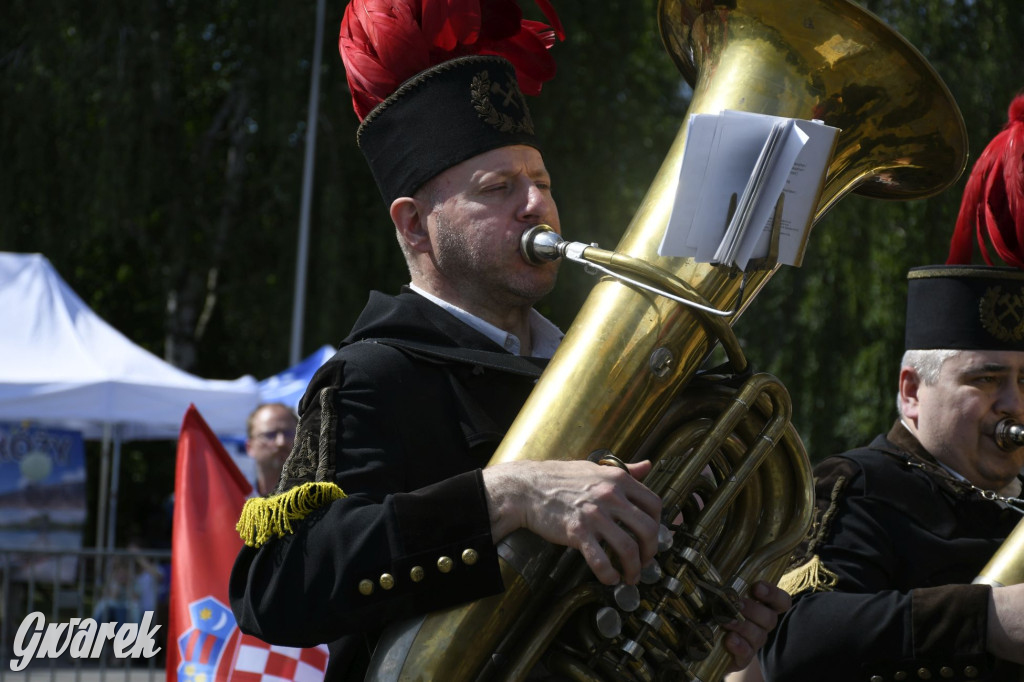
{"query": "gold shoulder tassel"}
(264, 518)
(812, 576)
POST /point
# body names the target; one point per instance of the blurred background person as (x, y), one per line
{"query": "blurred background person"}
(270, 432)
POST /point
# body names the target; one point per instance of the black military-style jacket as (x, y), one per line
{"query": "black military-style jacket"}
(404, 433)
(904, 541)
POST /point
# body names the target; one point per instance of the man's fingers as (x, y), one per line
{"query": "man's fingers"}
(599, 562)
(641, 495)
(644, 530)
(624, 546)
(750, 630)
(758, 619)
(772, 596)
(760, 616)
(639, 470)
(629, 538)
(742, 652)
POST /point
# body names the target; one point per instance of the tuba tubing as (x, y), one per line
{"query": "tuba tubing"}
(1006, 567)
(631, 358)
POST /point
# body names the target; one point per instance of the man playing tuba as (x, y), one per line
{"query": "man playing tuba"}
(385, 508)
(885, 588)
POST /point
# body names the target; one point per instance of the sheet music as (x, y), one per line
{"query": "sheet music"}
(756, 157)
(756, 206)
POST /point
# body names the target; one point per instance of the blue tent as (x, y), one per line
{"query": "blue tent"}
(288, 386)
(285, 387)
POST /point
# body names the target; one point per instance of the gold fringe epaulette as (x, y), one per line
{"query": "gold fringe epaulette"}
(264, 518)
(811, 575)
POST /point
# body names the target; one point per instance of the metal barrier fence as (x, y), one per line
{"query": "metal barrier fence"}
(106, 585)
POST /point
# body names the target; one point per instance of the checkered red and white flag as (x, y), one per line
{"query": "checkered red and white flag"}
(257, 661)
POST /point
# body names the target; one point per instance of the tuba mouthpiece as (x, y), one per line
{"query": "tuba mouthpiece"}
(540, 244)
(1009, 434)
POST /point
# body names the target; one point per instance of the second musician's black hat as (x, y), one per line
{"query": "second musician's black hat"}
(965, 307)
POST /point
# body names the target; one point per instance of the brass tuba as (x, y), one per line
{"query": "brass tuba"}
(625, 380)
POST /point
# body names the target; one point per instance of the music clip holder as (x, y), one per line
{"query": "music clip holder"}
(770, 260)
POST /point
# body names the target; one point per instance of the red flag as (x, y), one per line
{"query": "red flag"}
(203, 640)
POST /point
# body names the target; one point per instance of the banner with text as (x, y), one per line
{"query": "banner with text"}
(42, 498)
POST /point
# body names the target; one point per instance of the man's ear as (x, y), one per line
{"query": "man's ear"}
(910, 385)
(410, 219)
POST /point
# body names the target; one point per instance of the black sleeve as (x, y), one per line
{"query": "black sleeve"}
(865, 629)
(415, 504)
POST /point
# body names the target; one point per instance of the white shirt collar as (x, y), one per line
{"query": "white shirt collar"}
(546, 336)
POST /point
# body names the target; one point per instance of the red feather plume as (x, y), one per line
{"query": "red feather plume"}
(384, 42)
(992, 209)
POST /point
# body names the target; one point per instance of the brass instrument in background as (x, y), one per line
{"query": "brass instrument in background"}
(1006, 567)
(625, 379)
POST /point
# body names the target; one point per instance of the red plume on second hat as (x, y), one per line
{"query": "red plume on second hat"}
(978, 307)
(385, 42)
(992, 209)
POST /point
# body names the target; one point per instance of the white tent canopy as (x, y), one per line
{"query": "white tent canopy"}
(62, 365)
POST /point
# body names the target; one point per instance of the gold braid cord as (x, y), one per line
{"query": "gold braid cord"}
(812, 575)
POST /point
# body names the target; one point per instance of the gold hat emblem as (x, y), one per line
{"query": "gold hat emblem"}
(1002, 314)
(510, 115)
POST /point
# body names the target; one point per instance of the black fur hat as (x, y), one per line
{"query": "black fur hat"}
(440, 117)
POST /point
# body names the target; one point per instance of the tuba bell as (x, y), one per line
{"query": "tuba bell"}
(626, 381)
